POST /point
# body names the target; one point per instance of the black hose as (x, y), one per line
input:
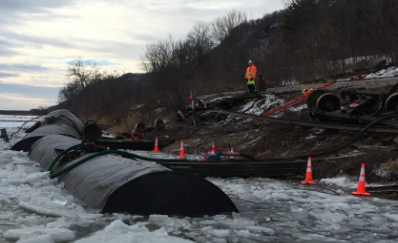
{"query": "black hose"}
(332, 150)
(24, 125)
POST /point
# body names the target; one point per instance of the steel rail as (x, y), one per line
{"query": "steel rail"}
(309, 123)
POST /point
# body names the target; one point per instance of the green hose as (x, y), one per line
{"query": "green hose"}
(124, 154)
(50, 167)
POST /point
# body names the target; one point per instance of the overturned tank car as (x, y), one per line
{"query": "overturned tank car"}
(114, 180)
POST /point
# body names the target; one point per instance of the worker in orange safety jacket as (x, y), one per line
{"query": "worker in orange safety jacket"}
(250, 76)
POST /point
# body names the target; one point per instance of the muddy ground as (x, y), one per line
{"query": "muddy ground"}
(272, 140)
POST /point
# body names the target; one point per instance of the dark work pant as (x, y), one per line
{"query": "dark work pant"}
(251, 88)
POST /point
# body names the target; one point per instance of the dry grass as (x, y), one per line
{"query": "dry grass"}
(122, 123)
(391, 165)
(127, 124)
(105, 120)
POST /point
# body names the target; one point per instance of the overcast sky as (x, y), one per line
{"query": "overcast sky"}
(39, 37)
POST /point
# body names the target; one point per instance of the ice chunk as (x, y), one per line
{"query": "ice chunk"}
(219, 233)
(357, 223)
(7, 215)
(246, 233)
(36, 239)
(118, 232)
(235, 215)
(180, 223)
(118, 226)
(378, 220)
(314, 237)
(302, 217)
(330, 217)
(164, 220)
(333, 227)
(261, 229)
(29, 219)
(220, 217)
(339, 191)
(58, 198)
(157, 217)
(206, 228)
(45, 211)
(217, 240)
(239, 223)
(295, 209)
(383, 229)
(59, 223)
(391, 216)
(56, 233)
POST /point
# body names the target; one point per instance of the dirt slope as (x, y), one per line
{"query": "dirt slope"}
(273, 140)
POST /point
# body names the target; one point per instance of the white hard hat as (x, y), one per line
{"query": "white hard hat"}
(250, 61)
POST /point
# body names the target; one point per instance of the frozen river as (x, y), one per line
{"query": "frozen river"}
(35, 208)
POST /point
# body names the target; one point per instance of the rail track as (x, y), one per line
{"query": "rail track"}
(309, 123)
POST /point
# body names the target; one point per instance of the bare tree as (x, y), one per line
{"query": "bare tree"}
(83, 72)
(224, 26)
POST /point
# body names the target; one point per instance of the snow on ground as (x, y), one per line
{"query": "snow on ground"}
(389, 72)
(256, 107)
(342, 181)
(223, 95)
(36, 209)
(298, 108)
(381, 74)
(16, 121)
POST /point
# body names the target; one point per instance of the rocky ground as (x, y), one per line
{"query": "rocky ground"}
(272, 140)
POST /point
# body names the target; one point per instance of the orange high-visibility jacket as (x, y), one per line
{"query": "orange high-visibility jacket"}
(251, 72)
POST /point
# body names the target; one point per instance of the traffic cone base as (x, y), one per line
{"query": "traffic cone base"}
(360, 193)
(361, 184)
(156, 146)
(308, 174)
(308, 182)
(182, 153)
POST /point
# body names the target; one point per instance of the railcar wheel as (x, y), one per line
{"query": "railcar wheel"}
(159, 125)
(328, 102)
(139, 127)
(394, 89)
(313, 97)
(392, 102)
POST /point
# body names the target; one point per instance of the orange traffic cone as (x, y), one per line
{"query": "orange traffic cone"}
(361, 183)
(190, 94)
(182, 153)
(212, 151)
(232, 155)
(308, 174)
(156, 146)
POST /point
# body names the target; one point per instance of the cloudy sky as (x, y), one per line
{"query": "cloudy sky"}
(39, 37)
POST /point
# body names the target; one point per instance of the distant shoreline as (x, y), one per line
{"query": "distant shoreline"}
(19, 112)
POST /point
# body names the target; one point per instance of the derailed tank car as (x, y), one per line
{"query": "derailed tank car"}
(114, 183)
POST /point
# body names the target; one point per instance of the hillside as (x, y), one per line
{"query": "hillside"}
(275, 140)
